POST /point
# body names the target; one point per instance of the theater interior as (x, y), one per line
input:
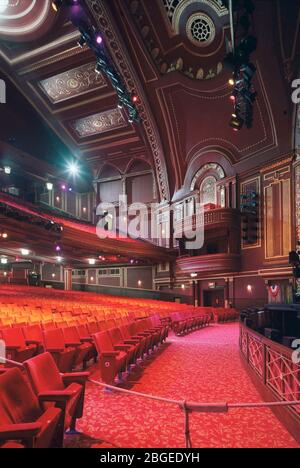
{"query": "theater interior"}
(149, 224)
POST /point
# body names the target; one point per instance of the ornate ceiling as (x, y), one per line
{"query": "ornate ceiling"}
(171, 53)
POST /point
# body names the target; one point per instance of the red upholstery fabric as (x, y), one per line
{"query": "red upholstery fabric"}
(68, 390)
(55, 344)
(112, 362)
(19, 409)
(16, 346)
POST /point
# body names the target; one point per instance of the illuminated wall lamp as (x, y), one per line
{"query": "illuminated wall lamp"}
(92, 261)
(249, 288)
(25, 252)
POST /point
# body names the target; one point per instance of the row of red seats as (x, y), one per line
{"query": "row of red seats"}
(39, 404)
(183, 323)
(70, 347)
(120, 348)
(223, 315)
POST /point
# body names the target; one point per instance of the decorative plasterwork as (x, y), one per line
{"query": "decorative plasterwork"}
(216, 5)
(103, 18)
(21, 18)
(200, 29)
(211, 167)
(199, 66)
(72, 83)
(99, 123)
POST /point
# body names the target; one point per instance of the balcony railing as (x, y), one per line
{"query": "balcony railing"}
(222, 217)
(274, 367)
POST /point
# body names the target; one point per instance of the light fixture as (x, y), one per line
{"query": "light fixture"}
(4, 261)
(53, 275)
(231, 82)
(25, 252)
(58, 199)
(84, 209)
(183, 286)
(73, 168)
(92, 278)
(4, 235)
(7, 169)
(56, 4)
(140, 283)
(92, 261)
(59, 259)
(249, 288)
(49, 186)
(194, 275)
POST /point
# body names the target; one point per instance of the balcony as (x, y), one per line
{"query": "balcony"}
(209, 264)
(222, 239)
(222, 218)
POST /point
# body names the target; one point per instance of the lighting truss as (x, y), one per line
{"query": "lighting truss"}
(93, 39)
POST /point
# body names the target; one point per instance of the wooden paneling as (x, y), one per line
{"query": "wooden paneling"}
(277, 212)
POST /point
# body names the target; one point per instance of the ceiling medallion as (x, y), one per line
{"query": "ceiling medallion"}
(200, 29)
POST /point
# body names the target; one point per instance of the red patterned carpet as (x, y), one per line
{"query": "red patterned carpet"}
(204, 367)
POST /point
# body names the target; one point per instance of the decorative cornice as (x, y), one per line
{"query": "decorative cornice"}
(277, 164)
(101, 14)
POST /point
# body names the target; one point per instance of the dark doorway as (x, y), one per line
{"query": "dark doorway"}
(213, 298)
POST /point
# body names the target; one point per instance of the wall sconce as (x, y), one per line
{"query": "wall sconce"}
(249, 288)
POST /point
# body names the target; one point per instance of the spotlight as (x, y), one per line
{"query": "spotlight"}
(236, 122)
(99, 39)
(81, 43)
(7, 170)
(73, 168)
(56, 4)
(49, 186)
(98, 68)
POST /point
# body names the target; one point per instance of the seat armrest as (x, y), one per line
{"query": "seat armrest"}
(56, 396)
(20, 431)
(55, 350)
(76, 377)
(132, 342)
(122, 347)
(32, 342)
(110, 354)
(13, 348)
(73, 345)
(86, 340)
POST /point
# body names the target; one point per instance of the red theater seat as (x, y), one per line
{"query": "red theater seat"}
(119, 345)
(66, 391)
(112, 362)
(21, 417)
(54, 343)
(17, 348)
(84, 351)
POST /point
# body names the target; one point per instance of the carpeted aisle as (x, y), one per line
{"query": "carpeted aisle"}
(204, 367)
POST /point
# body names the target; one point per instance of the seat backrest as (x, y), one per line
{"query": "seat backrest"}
(115, 336)
(43, 374)
(103, 342)
(71, 335)
(54, 339)
(17, 399)
(83, 331)
(125, 332)
(13, 337)
(33, 333)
